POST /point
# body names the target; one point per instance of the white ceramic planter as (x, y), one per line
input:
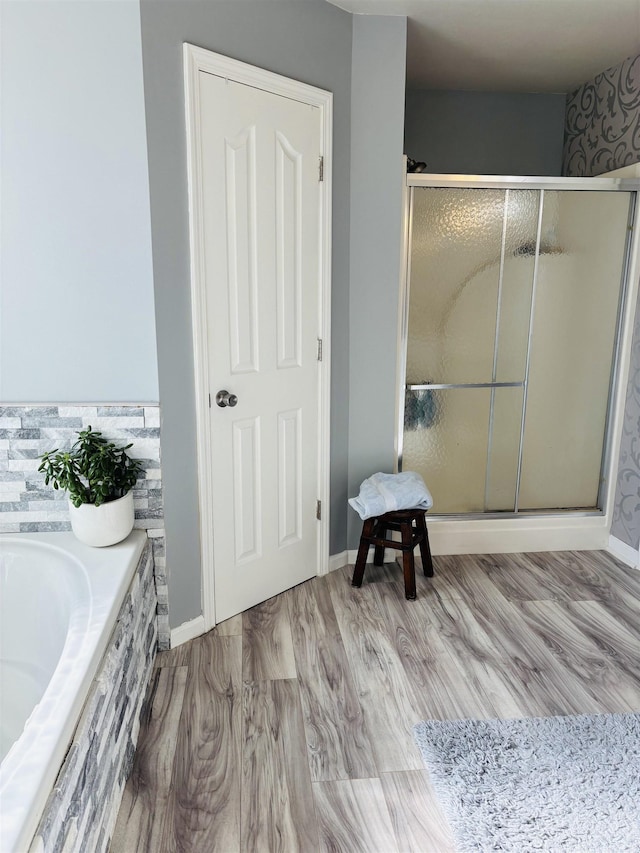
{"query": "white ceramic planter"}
(103, 525)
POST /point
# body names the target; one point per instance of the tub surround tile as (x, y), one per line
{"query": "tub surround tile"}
(12, 477)
(77, 412)
(154, 499)
(27, 505)
(33, 493)
(149, 514)
(149, 524)
(40, 527)
(53, 422)
(28, 411)
(9, 505)
(32, 517)
(120, 411)
(12, 491)
(23, 453)
(82, 808)
(47, 505)
(23, 464)
(116, 424)
(12, 495)
(151, 416)
(19, 433)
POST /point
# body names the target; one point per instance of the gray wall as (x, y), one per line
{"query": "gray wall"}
(77, 287)
(309, 40)
(377, 117)
(602, 131)
(485, 133)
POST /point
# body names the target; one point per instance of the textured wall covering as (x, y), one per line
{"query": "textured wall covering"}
(625, 525)
(82, 808)
(28, 506)
(602, 125)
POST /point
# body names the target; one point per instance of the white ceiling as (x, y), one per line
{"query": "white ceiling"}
(510, 45)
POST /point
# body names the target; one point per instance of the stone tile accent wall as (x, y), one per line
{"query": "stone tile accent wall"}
(81, 811)
(27, 505)
(162, 589)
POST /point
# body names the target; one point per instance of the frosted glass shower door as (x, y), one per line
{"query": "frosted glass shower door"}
(512, 307)
(472, 266)
(572, 348)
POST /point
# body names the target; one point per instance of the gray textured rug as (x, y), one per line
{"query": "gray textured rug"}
(554, 784)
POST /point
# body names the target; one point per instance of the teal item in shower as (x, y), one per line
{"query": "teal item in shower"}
(420, 408)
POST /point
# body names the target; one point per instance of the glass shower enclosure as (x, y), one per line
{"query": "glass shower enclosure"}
(512, 318)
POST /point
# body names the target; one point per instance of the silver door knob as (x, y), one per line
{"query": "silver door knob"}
(224, 398)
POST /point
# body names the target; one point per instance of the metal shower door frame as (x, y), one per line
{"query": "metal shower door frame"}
(506, 183)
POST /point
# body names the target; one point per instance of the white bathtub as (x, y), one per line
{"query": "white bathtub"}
(59, 602)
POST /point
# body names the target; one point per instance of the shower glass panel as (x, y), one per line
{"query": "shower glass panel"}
(511, 331)
(451, 443)
(574, 328)
(504, 449)
(522, 210)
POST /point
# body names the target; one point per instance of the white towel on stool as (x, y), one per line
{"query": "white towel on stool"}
(387, 492)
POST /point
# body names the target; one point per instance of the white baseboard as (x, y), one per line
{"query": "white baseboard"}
(495, 536)
(337, 561)
(502, 537)
(508, 536)
(390, 555)
(187, 631)
(348, 558)
(623, 552)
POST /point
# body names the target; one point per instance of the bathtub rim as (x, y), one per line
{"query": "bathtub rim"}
(110, 572)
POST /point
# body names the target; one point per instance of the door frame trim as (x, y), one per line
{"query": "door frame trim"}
(196, 60)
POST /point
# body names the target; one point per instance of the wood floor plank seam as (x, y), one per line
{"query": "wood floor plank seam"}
(579, 655)
(337, 737)
(142, 816)
(267, 654)
(418, 822)
(385, 693)
(353, 816)
(276, 782)
(203, 809)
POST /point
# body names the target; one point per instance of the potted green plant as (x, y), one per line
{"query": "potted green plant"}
(99, 477)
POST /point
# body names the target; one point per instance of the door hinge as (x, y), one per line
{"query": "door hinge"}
(318, 510)
(321, 168)
(319, 349)
(209, 400)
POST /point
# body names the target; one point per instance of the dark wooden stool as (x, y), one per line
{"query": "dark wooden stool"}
(374, 531)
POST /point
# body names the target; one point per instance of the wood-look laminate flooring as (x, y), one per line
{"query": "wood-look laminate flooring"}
(289, 728)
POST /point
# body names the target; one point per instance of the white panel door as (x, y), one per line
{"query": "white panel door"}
(260, 155)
